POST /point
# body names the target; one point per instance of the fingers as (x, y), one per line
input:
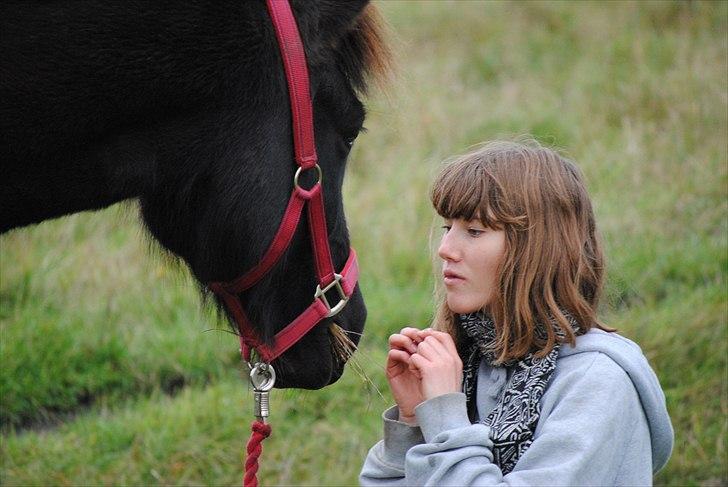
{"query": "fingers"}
(397, 363)
(426, 361)
(444, 338)
(431, 344)
(402, 346)
(437, 377)
(402, 342)
(418, 362)
(413, 333)
(407, 339)
(395, 356)
(414, 368)
(436, 351)
(432, 349)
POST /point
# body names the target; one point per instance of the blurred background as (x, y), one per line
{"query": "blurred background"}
(111, 370)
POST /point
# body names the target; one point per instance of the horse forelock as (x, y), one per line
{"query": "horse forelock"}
(364, 54)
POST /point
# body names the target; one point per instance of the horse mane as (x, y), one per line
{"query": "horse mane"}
(364, 53)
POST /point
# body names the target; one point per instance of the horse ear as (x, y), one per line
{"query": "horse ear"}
(324, 23)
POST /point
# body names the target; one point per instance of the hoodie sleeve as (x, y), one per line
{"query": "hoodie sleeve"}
(590, 414)
(384, 465)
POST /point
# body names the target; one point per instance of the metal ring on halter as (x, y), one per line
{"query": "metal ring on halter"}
(263, 377)
(298, 173)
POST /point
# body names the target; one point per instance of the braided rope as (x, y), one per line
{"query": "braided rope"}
(261, 431)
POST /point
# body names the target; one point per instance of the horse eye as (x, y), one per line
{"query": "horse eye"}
(349, 141)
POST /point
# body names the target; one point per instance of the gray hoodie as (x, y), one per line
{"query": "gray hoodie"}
(603, 422)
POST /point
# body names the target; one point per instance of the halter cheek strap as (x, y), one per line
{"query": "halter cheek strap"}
(294, 63)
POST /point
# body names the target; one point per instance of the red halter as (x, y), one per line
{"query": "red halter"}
(294, 63)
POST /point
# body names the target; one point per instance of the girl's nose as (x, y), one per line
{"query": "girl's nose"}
(448, 247)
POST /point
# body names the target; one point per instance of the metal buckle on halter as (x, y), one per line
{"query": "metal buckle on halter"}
(343, 298)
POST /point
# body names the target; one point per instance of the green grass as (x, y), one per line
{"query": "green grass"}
(88, 316)
(108, 374)
(198, 437)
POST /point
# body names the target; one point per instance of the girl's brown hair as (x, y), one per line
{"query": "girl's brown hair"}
(553, 263)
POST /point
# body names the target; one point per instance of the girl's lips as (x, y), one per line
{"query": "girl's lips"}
(450, 278)
(451, 281)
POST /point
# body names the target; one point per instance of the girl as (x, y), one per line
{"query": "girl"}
(518, 382)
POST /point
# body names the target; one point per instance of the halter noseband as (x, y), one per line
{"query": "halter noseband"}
(294, 63)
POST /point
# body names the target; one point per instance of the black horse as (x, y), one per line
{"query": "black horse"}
(184, 105)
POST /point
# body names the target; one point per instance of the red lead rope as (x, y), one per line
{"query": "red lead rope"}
(261, 431)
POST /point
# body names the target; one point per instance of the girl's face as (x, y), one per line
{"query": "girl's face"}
(470, 256)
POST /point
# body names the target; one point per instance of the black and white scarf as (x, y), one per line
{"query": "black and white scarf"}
(513, 420)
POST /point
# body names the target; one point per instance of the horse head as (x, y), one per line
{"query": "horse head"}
(224, 176)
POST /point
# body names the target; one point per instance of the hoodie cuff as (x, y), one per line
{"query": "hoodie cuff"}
(398, 437)
(442, 413)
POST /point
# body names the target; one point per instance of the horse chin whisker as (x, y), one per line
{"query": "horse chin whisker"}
(349, 332)
(208, 330)
(342, 346)
(343, 350)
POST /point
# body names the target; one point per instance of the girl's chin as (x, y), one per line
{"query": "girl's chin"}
(462, 308)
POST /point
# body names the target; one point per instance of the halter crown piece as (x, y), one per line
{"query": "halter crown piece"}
(262, 375)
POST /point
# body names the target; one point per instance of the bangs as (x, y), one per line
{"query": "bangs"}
(464, 190)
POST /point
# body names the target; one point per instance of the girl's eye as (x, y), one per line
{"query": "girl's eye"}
(446, 228)
(475, 232)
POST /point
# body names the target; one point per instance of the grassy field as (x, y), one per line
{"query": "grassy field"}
(113, 373)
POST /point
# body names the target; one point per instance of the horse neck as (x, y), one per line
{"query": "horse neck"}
(40, 186)
(87, 133)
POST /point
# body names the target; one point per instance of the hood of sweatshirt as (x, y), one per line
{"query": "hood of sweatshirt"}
(629, 356)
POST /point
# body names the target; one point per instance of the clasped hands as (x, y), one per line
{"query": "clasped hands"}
(421, 364)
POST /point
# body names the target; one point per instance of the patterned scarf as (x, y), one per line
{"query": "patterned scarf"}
(514, 419)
